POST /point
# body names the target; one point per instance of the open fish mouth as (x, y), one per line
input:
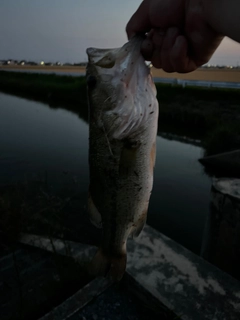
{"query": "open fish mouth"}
(107, 58)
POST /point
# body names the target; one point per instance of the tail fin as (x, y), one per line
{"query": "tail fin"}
(112, 267)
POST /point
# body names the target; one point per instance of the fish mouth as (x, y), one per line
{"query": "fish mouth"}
(107, 58)
(102, 57)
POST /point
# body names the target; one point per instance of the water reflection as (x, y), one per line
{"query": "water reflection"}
(36, 139)
(39, 140)
(181, 193)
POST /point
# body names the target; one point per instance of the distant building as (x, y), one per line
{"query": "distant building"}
(22, 62)
(10, 62)
(31, 63)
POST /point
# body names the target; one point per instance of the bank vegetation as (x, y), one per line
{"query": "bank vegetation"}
(209, 114)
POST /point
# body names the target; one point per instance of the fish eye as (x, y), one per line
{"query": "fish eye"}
(91, 81)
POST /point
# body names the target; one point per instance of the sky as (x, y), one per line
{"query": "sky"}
(61, 30)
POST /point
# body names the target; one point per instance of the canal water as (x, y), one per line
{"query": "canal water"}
(39, 141)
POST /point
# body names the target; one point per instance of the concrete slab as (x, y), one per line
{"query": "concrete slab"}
(75, 303)
(183, 282)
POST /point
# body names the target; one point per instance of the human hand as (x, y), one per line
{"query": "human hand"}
(179, 38)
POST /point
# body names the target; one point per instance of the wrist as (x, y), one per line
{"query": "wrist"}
(221, 16)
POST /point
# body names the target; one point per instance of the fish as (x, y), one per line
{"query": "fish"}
(123, 124)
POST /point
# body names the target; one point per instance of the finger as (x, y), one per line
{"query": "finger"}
(167, 45)
(150, 34)
(139, 22)
(157, 38)
(147, 49)
(156, 58)
(180, 59)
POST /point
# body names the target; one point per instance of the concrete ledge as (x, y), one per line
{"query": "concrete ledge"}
(81, 253)
(75, 303)
(185, 283)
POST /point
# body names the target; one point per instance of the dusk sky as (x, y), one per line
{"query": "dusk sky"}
(61, 30)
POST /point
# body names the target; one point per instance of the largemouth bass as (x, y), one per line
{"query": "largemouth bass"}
(123, 117)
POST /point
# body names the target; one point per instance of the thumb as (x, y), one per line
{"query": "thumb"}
(140, 21)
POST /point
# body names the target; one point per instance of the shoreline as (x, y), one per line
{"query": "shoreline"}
(201, 74)
(210, 114)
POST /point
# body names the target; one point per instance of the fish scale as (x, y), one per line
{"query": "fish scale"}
(122, 141)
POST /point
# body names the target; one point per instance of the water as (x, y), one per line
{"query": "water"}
(38, 141)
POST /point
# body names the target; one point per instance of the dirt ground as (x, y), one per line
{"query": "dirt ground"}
(204, 74)
(225, 75)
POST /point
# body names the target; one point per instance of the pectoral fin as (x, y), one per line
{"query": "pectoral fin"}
(94, 215)
(153, 156)
(139, 225)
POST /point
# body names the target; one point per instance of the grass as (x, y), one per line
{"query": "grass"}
(209, 114)
(33, 207)
(212, 115)
(222, 139)
(46, 87)
(30, 207)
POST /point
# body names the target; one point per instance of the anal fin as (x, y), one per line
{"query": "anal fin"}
(139, 225)
(139, 229)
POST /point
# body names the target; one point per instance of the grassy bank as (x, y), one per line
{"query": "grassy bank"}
(210, 114)
(34, 207)
(44, 87)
